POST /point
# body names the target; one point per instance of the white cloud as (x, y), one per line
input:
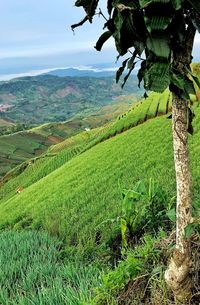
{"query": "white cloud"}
(7, 77)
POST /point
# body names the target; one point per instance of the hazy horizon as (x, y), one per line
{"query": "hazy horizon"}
(37, 37)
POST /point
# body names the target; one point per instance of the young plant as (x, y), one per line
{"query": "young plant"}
(143, 210)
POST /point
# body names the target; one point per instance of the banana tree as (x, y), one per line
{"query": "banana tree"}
(160, 34)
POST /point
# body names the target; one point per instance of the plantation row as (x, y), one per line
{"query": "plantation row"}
(74, 192)
(18, 147)
(154, 105)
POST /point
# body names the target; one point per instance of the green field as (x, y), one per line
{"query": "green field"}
(73, 192)
(21, 146)
(60, 153)
(61, 195)
(41, 275)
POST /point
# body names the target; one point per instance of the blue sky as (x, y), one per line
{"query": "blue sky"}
(36, 35)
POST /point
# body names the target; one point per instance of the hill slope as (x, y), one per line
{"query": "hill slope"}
(73, 192)
(76, 200)
(18, 147)
(48, 98)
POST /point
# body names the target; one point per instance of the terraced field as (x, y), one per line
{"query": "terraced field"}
(85, 189)
(73, 193)
(18, 147)
(146, 109)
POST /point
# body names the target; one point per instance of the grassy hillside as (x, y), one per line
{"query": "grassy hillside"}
(48, 98)
(73, 192)
(85, 189)
(18, 147)
(153, 106)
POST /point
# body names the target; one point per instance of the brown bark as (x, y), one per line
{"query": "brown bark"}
(177, 275)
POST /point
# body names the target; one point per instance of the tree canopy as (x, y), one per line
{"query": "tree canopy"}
(153, 32)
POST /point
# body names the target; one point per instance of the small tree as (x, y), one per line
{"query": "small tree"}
(161, 31)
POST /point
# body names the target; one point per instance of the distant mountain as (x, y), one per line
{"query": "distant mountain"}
(49, 98)
(73, 72)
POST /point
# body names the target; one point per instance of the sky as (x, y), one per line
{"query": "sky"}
(36, 35)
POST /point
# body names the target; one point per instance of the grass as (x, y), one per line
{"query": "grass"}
(73, 194)
(35, 271)
(21, 146)
(84, 190)
(79, 143)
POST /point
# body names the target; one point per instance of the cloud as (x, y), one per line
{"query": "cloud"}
(7, 77)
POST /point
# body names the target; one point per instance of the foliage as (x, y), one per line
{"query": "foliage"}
(158, 30)
(144, 209)
(142, 262)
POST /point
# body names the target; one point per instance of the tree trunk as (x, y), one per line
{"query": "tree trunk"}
(178, 274)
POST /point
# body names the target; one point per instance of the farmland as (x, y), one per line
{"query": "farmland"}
(20, 146)
(71, 204)
(139, 113)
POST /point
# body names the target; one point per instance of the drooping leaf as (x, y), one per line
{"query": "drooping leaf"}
(141, 72)
(195, 78)
(159, 45)
(157, 77)
(130, 65)
(156, 23)
(121, 69)
(103, 38)
(189, 86)
(89, 7)
(128, 74)
(109, 6)
(178, 80)
(130, 31)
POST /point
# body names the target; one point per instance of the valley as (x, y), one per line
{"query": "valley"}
(49, 98)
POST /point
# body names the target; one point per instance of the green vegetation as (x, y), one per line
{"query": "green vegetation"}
(61, 195)
(138, 277)
(73, 192)
(35, 271)
(36, 169)
(18, 147)
(48, 98)
(145, 208)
